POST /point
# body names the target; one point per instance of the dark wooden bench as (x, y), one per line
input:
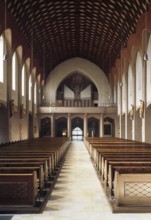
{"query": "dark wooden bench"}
(41, 173)
(40, 157)
(18, 188)
(28, 159)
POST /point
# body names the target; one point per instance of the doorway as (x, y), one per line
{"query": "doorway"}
(77, 129)
(77, 134)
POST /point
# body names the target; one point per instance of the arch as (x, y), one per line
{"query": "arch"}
(8, 39)
(93, 127)
(61, 127)
(45, 127)
(109, 127)
(19, 52)
(84, 67)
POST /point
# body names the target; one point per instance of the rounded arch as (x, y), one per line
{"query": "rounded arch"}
(19, 52)
(83, 66)
(8, 38)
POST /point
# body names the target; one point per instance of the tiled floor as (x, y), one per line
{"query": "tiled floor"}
(78, 194)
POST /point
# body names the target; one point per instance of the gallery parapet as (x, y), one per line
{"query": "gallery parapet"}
(61, 109)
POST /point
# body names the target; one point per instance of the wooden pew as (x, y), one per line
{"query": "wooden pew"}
(119, 150)
(21, 159)
(18, 189)
(26, 159)
(132, 186)
(124, 166)
(130, 166)
(117, 160)
(40, 172)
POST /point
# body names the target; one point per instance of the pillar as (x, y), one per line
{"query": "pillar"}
(69, 125)
(52, 126)
(85, 125)
(101, 125)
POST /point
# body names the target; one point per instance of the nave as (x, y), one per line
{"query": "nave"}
(78, 194)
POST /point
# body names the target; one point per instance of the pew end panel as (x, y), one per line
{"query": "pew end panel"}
(18, 189)
(132, 189)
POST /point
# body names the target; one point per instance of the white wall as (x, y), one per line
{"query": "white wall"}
(83, 66)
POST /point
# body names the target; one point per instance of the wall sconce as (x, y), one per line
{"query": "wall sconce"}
(121, 84)
(145, 56)
(5, 57)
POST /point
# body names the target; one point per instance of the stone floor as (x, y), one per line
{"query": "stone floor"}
(78, 194)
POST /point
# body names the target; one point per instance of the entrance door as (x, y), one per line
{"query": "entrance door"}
(77, 129)
(77, 134)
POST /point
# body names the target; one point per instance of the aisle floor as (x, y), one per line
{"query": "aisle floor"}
(78, 194)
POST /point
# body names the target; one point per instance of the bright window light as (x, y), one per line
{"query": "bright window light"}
(23, 81)
(14, 72)
(1, 60)
(30, 87)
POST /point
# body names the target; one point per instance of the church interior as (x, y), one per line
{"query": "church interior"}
(75, 92)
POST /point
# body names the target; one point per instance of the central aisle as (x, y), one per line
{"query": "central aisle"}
(78, 194)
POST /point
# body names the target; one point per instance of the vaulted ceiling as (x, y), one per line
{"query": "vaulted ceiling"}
(63, 29)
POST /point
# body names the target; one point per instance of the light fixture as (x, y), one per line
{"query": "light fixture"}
(145, 57)
(121, 84)
(5, 57)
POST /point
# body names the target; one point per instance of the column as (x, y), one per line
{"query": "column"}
(85, 125)
(52, 126)
(144, 85)
(120, 116)
(69, 125)
(101, 125)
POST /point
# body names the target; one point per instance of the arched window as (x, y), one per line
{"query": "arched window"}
(35, 98)
(138, 79)
(14, 72)
(119, 97)
(35, 93)
(23, 85)
(23, 81)
(30, 87)
(115, 90)
(15, 78)
(1, 60)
